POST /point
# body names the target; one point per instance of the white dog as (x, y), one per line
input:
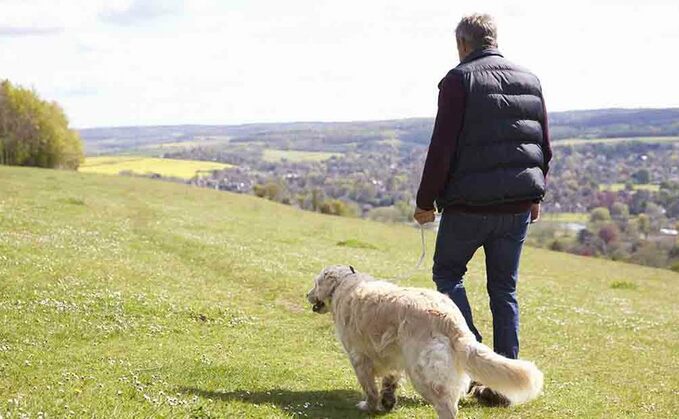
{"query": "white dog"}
(386, 329)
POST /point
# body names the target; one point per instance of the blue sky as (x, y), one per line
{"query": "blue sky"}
(143, 62)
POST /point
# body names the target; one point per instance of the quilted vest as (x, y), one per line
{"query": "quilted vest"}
(499, 156)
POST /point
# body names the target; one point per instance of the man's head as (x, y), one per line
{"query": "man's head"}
(475, 32)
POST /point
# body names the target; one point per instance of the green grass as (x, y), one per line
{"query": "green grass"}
(113, 165)
(274, 155)
(128, 297)
(624, 285)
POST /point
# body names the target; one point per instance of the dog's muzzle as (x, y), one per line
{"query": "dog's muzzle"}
(318, 306)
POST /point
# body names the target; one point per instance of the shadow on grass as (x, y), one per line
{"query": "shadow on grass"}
(332, 404)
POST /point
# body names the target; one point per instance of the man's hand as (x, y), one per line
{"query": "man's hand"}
(424, 216)
(535, 212)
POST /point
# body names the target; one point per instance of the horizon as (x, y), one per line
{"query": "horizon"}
(150, 62)
(345, 121)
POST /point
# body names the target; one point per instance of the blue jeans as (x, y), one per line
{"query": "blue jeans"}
(502, 237)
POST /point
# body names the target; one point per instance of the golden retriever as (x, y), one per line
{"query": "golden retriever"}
(386, 330)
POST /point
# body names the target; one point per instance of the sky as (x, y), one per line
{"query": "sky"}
(151, 62)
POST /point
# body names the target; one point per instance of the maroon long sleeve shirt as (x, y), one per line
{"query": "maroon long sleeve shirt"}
(444, 139)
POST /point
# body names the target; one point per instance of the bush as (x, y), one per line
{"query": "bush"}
(624, 285)
(650, 254)
(557, 246)
(270, 190)
(337, 207)
(619, 253)
(387, 214)
(675, 267)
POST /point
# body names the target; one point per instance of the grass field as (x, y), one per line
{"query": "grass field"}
(616, 187)
(113, 165)
(580, 141)
(127, 297)
(566, 217)
(274, 155)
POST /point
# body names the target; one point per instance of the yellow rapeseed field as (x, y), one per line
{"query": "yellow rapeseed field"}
(113, 165)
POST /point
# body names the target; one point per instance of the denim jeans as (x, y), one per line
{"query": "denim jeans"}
(502, 236)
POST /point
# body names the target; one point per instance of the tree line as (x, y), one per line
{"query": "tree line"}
(35, 132)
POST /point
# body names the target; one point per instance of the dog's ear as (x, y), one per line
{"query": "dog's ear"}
(353, 271)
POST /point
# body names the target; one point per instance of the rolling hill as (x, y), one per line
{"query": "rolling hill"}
(345, 136)
(125, 297)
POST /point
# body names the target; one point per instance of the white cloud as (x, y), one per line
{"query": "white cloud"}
(235, 61)
(140, 11)
(14, 31)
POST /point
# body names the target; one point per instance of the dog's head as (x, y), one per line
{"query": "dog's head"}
(324, 286)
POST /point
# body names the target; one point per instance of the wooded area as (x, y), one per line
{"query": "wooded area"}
(34, 132)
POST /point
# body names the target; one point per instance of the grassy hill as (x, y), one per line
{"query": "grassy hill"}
(126, 297)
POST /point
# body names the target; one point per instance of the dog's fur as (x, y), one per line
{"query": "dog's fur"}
(386, 329)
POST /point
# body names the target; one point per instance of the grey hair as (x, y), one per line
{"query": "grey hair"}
(478, 30)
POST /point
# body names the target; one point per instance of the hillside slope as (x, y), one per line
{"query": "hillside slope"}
(129, 297)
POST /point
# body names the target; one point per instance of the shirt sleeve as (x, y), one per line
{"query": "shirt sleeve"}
(546, 146)
(443, 145)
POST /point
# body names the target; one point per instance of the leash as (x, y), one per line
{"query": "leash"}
(418, 265)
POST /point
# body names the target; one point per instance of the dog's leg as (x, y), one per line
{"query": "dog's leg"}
(446, 409)
(435, 375)
(447, 404)
(388, 394)
(365, 374)
(465, 384)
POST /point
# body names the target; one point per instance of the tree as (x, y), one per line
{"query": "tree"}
(585, 236)
(34, 132)
(609, 233)
(639, 200)
(644, 224)
(316, 199)
(599, 214)
(641, 176)
(619, 211)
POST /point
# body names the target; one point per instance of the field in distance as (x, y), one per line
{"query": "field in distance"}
(274, 155)
(616, 187)
(582, 141)
(113, 165)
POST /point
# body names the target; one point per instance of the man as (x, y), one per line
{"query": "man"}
(485, 171)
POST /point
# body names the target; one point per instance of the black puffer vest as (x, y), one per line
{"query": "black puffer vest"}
(499, 156)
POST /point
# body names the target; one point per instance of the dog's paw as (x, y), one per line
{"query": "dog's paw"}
(388, 402)
(366, 406)
(363, 406)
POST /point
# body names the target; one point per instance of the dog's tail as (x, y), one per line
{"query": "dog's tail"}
(518, 380)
